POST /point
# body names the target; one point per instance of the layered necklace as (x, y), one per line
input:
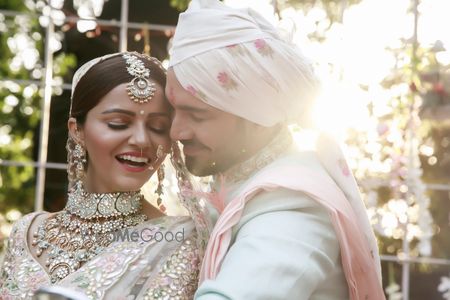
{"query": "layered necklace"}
(84, 228)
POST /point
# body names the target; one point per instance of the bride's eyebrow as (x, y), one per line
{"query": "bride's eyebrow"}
(132, 114)
(118, 110)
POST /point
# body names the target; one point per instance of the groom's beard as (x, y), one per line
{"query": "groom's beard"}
(200, 168)
(200, 164)
(209, 161)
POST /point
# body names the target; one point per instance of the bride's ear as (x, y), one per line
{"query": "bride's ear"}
(75, 131)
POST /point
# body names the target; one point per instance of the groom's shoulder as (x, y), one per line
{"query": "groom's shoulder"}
(278, 202)
(296, 157)
(278, 199)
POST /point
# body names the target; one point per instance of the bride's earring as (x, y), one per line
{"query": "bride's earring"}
(159, 190)
(79, 155)
(159, 155)
(76, 161)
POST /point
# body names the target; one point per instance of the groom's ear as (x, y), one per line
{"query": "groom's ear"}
(75, 131)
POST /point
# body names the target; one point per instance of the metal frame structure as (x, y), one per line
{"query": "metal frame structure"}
(124, 25)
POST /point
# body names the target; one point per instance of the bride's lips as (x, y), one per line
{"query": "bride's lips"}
(133, 161)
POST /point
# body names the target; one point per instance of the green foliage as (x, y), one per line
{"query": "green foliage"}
(20, 103)
(63, 63)
(17, 5)
(181, 5)
(18, 116)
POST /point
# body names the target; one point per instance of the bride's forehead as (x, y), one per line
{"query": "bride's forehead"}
(118, 98)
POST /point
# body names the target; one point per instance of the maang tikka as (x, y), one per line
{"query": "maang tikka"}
(140, 89)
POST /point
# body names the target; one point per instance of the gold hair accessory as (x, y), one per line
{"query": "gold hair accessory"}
(140, 89)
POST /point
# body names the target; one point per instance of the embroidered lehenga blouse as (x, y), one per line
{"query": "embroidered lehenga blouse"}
(160, 262)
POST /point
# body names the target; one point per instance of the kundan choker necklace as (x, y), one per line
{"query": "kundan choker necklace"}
(84, 228)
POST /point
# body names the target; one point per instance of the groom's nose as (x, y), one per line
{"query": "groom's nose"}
(180, 130)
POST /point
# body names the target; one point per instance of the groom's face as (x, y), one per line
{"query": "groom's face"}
(213, 140)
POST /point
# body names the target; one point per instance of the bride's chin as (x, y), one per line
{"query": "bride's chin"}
(130, 185)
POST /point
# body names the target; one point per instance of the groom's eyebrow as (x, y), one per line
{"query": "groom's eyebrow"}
(192, 109)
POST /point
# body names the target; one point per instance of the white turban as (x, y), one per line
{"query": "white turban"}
(236, 61)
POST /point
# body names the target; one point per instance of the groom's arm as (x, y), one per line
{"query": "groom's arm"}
(278, 254)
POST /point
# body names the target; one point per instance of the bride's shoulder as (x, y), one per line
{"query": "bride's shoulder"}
(20, 227)
(23, 222)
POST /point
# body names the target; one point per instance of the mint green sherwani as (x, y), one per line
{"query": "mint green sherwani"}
(284, 246)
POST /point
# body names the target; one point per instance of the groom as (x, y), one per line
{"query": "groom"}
(290, 224)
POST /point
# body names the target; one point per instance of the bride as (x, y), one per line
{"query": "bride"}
(108, 242)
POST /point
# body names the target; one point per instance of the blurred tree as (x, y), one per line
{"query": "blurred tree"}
(334, 8)
(181, 5)
(19, 107)
(21, 53)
